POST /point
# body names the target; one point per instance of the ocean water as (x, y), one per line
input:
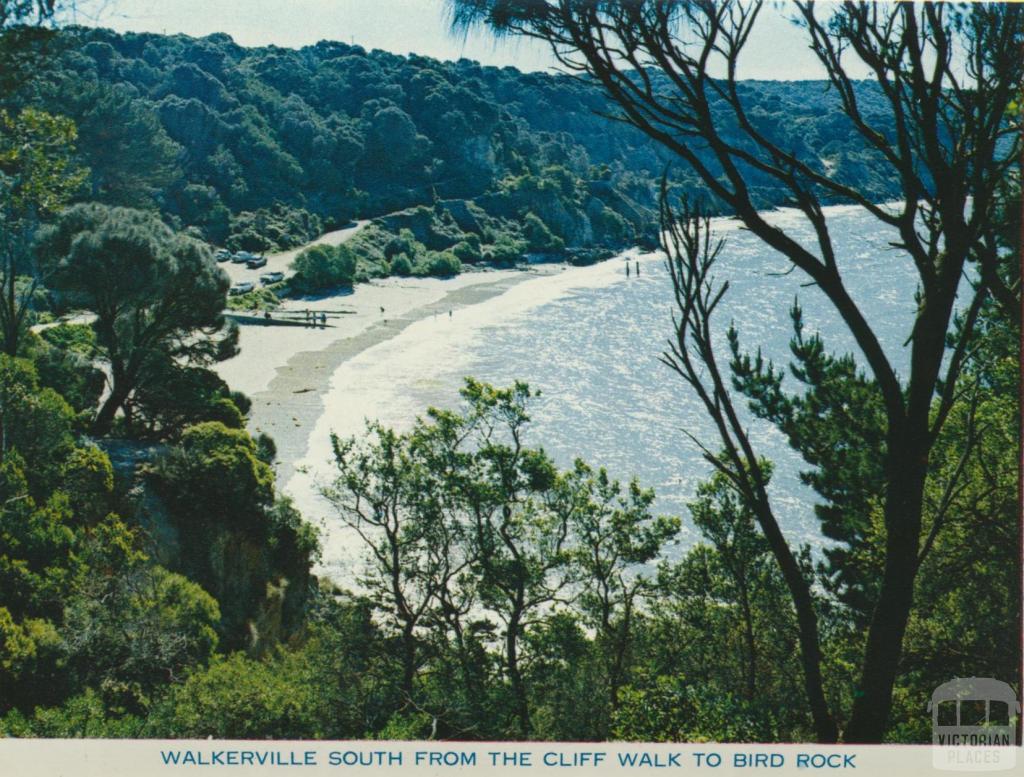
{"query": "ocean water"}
(590, 339)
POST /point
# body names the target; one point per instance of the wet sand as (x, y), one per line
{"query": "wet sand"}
(286, 368)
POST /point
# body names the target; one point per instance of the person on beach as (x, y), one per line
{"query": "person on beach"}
(637, 268)
(382, 310)
(627, 268)
(323, 320)
(449, 315)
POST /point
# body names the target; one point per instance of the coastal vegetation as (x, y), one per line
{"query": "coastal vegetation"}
(155, 582)
(952, 136)
(262, 149)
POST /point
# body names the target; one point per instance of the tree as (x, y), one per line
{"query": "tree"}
(132, 161)
(35, 425)
(944, 133)
(136, 629)
(723, 519)
(249, 549)
(157, 295)
(519, 524)
(401, 266)
(539, 236)
(37, 178)
(37, 560)
(614, 534)
(443, 264)
(178, 397)
(381, 494)
(323, 267)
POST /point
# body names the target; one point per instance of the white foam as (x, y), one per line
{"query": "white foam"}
(374, 384)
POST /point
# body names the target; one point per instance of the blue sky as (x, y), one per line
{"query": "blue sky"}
(776, 50)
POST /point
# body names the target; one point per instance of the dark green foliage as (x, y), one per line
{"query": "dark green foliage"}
(401, 266)
(129, 632)
(275, 141)
(539, 236)
(177, 397)
(332, 686)
(443, 264)
(85, 715)
(250, 550)
(133, 161)
(88, 480)
(37, 562)
(216, 467)
(30, 661)
(157, 295)
(838, 427)
(38, 176)
(323, 268)
(64, 359)
(269, 229)
(260, 298)
(240, 698)
(402, 243)
(34, 421)
(468, 251)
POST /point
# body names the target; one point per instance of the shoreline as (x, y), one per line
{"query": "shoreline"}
(307, 382)
(286, 370)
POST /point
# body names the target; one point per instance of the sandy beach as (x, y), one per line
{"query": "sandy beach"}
(286, 368)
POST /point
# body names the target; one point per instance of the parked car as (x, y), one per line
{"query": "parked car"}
(241, 288)
(255, 264)
(242, 257)
(271, 277)
(222, 254)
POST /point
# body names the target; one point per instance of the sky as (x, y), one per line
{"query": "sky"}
(776, 50)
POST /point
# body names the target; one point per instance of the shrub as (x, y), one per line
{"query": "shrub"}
(467, 252)
(444, 264)
(401, 266)
(402, 243)
(323, 267)
(539, 236)
(506, 250)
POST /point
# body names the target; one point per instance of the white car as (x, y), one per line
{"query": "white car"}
(242, 288)
(271, 277)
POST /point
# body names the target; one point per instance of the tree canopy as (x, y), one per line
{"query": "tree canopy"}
(157, 295)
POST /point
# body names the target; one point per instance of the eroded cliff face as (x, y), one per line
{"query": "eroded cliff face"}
(211, 515)
(262, 593)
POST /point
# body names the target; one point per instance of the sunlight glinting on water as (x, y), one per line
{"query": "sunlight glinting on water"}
(589, 339)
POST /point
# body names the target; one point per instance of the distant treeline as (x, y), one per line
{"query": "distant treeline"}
(263, 148)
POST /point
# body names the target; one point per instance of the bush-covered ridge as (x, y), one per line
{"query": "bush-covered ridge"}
(262, 148)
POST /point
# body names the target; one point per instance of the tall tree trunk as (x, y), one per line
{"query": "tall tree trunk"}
(621, 639)
(105, 417)
(903, 508)
(408, 660)
(748, 634)
(522, 707)
(825, 728)
(472, 688)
